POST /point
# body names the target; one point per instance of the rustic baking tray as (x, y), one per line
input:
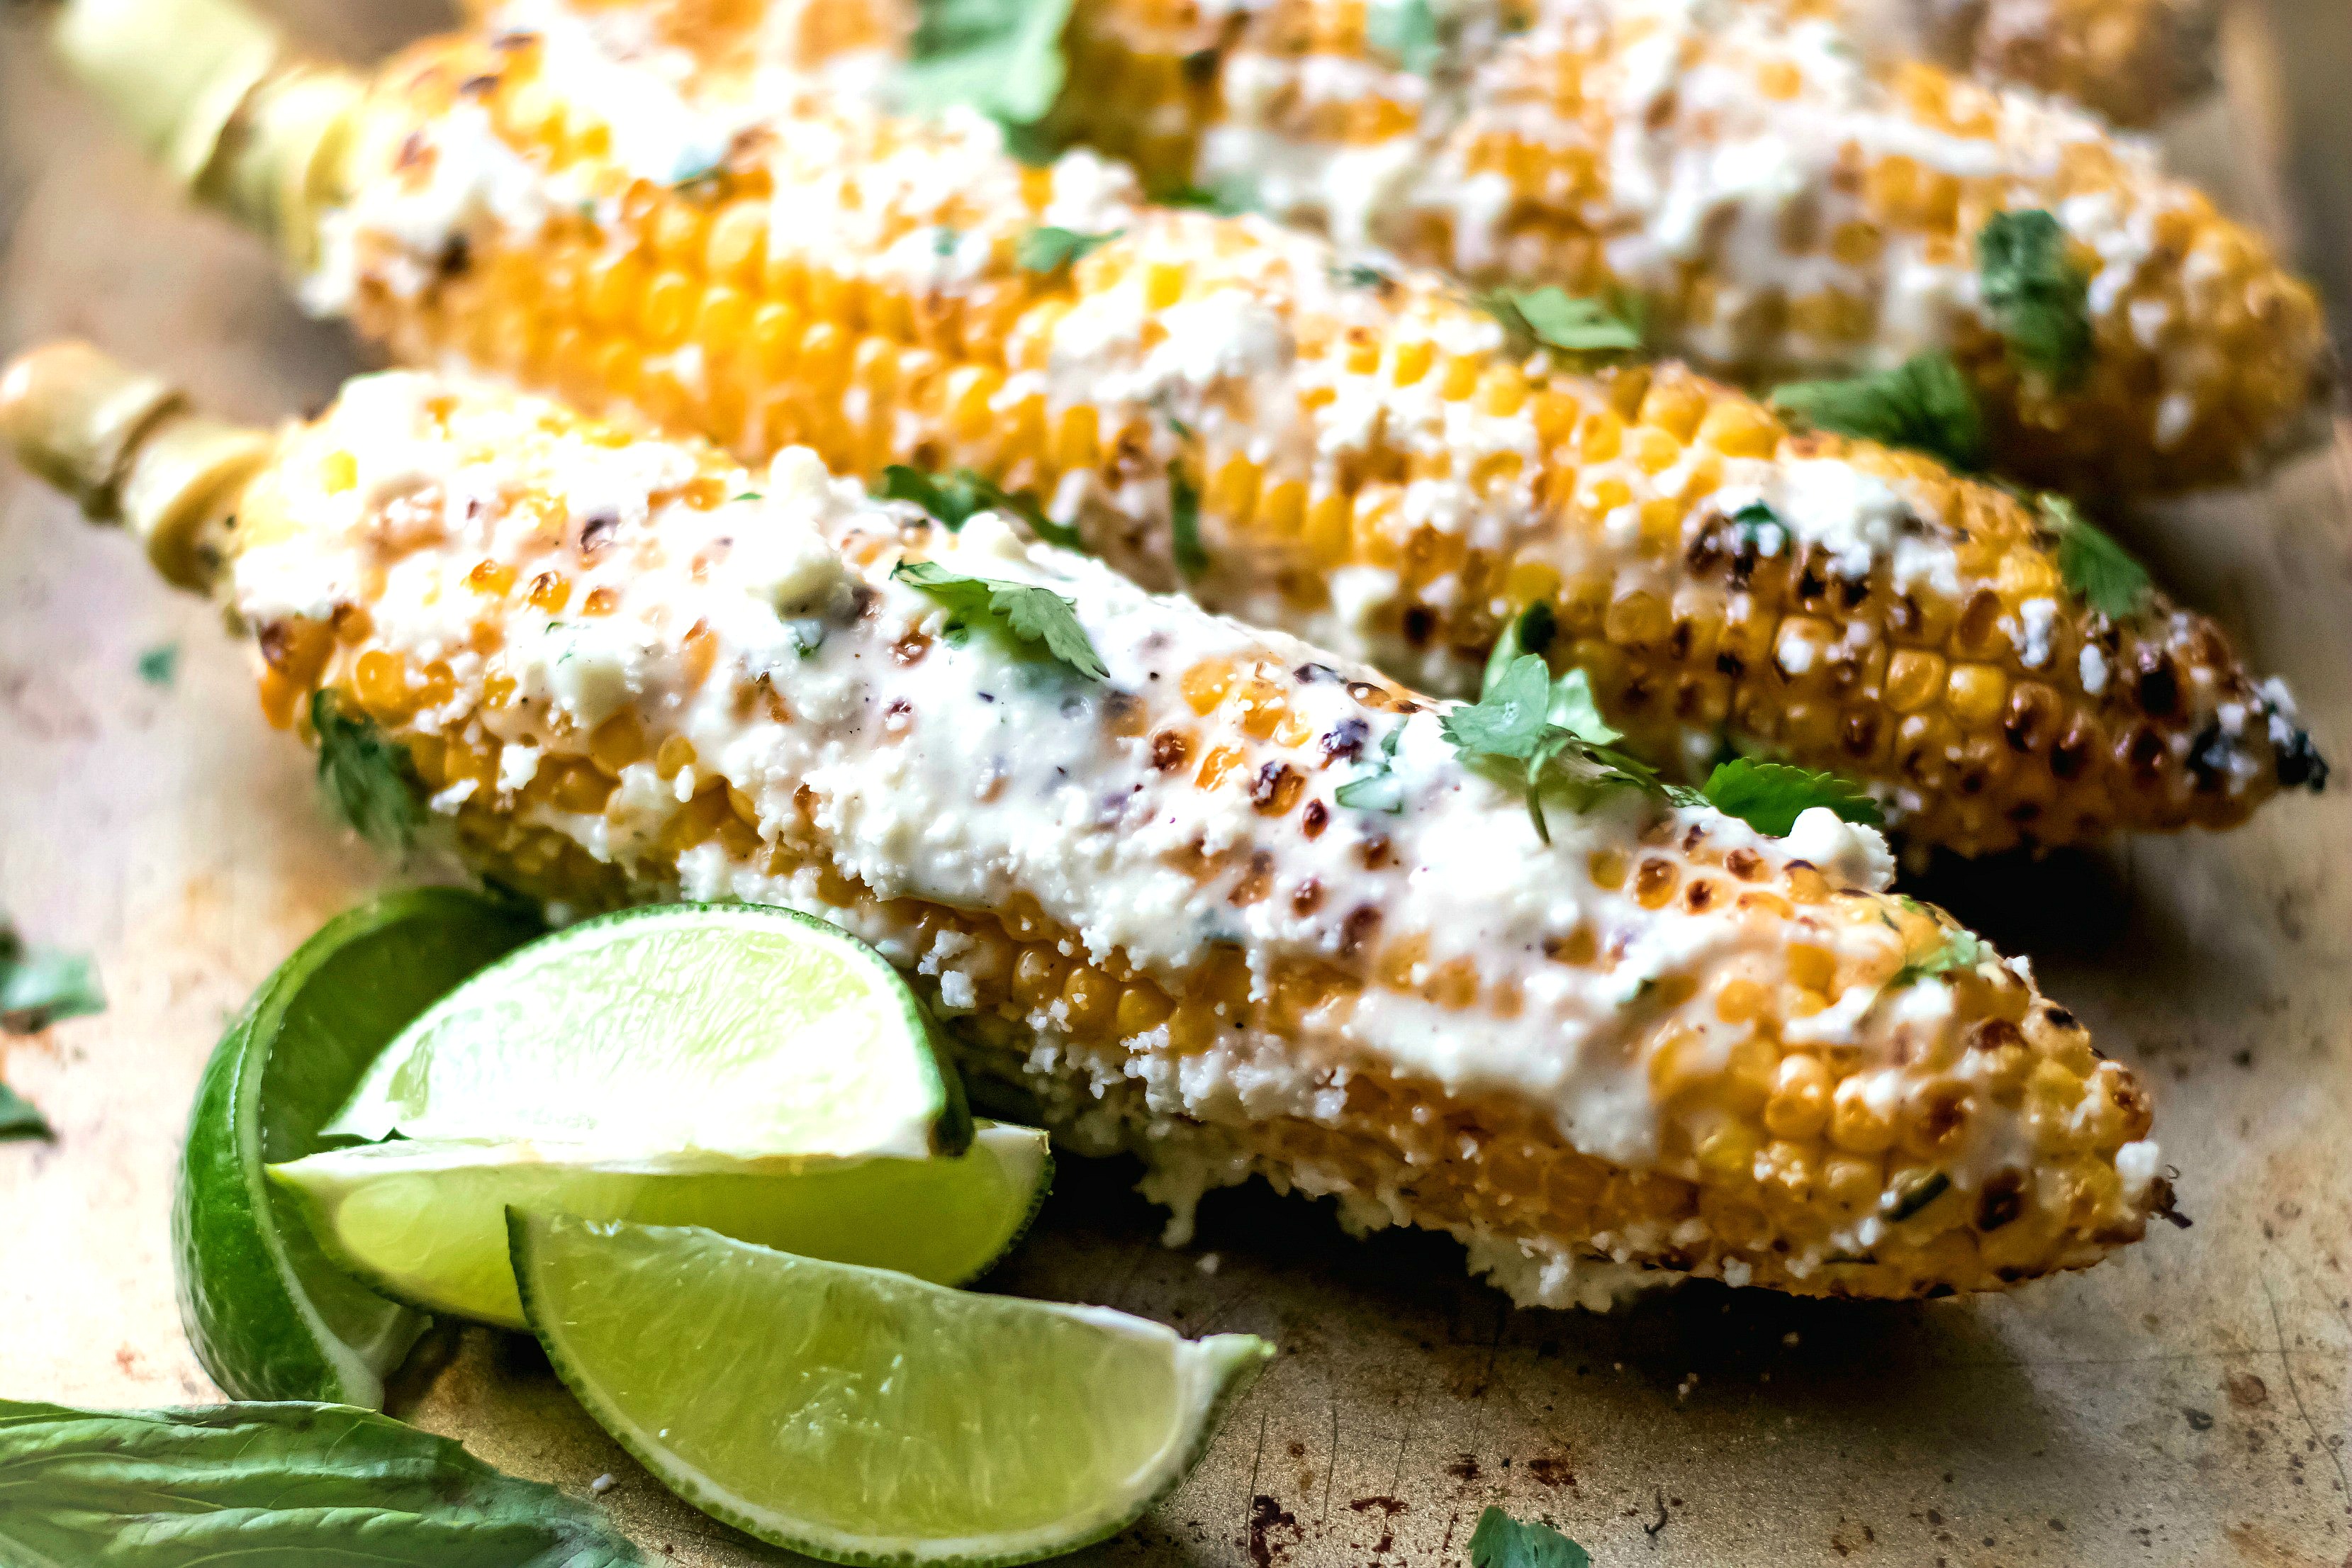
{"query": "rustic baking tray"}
(2187, 1403)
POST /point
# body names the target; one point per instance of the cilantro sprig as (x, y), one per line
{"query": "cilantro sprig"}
(2095, 569)
(368, 779)
(1408, 30)
(1958, 950)
(1378, 788)
(1771, 796)
(1548, 734)
(1924, 404)
(1049, 249)
(1557, 319)
(954, 499)
(1023, 611)
(2036, 296)
(1502, 1541)
(1001, 57)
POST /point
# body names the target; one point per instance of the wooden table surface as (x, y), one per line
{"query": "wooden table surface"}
(2187, 1403)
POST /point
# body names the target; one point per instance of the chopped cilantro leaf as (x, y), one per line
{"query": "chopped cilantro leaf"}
(160, 664)
(2096, 570)
(1916, 1194)
(1771, 796)
(1406, 29)
(1023, 611)
(19, 1118)
(1572, 708)
(1377, 789)
(953, 499)
(1924, 404)
(1958, 950)
(1362, 275)
(1231, 195)
(1049, 249)
(1532, 630)
(367, 780)
(1526, 721)
(2035, 295)
(1184, 523)
(1001, 57)
(1502, 1541)
(40, 986)
(1559, 319)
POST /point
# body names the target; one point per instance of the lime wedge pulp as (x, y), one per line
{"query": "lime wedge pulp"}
(270, 1318)
(425, 1222)
(864, 1416)
(681, 1029)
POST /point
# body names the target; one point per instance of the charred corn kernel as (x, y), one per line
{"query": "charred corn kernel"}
(1604, 491)
(2229, 377)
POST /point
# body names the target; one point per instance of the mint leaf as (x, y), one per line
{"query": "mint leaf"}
(1049, 249)
(1023, 611)
(274, 1485)
(1407, 30)
(160, 664)
(19, 1118)
(1379, 789)
(40, 986)
(1771, 796)
(1924, 404)
(1958, 950)
(369, 780)
(2035, 296)
(1553, 317)
(1502, 1541)
(1184, 523)
(2096, 570)
(1001, 57)
(953, 499)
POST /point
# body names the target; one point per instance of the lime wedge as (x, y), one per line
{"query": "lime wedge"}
(269, 1316)
(681, 1029)
(864, 1416)
(425, 1222)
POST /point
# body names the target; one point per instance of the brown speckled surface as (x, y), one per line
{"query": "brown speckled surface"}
(2186, 1404)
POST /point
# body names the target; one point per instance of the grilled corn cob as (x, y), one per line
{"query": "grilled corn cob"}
(1361, 457)
(1778, 210)
(1115, 856)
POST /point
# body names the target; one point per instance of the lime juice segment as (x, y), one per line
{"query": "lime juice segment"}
(683, 1029)
(425, 1222)
(865, 1416)
(269, 1316)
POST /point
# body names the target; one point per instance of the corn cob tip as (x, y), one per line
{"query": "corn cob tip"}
(123, 444)
(174, 71)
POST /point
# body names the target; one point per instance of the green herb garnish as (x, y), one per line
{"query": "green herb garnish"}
(1001, 57)
(953, 499)
(1915, 1195)
(39, 986)
(1379, 789)
(369, 780)
(1924, 404)
(1528, 725)
(1532, 630)
(19, 1118)
(1049, 249)
(1958, 950)
(1229, 197)
(2096, 570)
(159, 665)
(1560, 320)
(1407, 30)
(1502, 1541)
(1023, 611)
(1184, 521)
(2035, 295)
(275, 1484)
(1771, 796)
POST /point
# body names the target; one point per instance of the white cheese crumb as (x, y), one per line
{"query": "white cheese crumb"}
(2093, 667)
(517, 766)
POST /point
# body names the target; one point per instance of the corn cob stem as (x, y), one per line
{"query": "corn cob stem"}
(623, 669)
(1360, 457)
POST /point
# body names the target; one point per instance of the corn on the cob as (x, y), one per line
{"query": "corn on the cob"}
(626, 669)
(1778, 210)
(2129, 61)
(1360, 457)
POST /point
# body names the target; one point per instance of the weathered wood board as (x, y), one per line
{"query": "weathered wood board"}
(2188, 1403)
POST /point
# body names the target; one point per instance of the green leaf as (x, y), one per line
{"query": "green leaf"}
(1572, 709)
(1560, 320)
(1924, 404)
(1502, 1541)
(1509, 717)
(1407, 30)
(2035, 295)
(953, 499)
(1049, 249)
(19, 1118)
(1524, 718)
(1184, 523)
(1769, 796)
(1958, 950)
(1023, 611)
(369, 780)
(274, 1485)
(39, 986)
(1916, 1194)
(1001, 57)
(1532, 630)
(1379, 789)
(1231, 196)
(160, 664)
(2096, 570)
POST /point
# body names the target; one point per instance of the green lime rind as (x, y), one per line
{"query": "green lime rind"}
(958, 1429)
(425, 1222)
(269, 1317)
(728, 1030)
